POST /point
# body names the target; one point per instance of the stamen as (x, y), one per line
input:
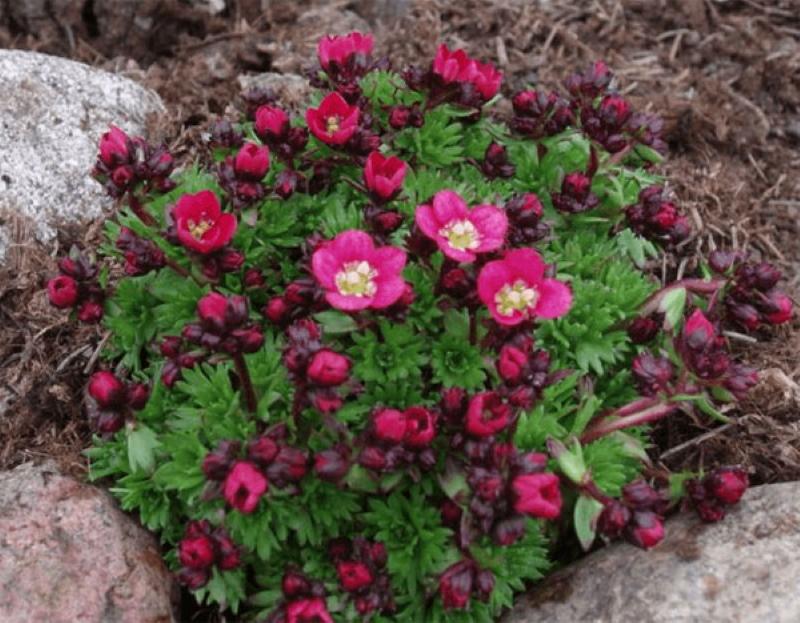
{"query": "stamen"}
(461, 235)
(357, 279)
(518, 296)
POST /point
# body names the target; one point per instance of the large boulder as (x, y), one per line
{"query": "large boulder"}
(68, 554)
(51, 115)
(744, 569)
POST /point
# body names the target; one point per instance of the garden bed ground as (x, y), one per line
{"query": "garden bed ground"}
(724, 73)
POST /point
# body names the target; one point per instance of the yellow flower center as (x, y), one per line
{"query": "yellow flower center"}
(515, 297)
(332, 125)
(198, 229)
(356, 279)
(461, 235)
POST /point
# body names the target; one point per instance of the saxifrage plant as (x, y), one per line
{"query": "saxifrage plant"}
(381, 357)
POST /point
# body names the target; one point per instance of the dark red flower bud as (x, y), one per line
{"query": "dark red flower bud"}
(741, 380)
(780, 307)
(420, 427)
(231, 260)
(389, 425)
(614, 110)
(643, 329)
(354, 575)
(170, 374)
(641, 496)
(328, 368)
(196, 552)
(339, 548)
(223, 134)
(107, 390)
(489, 487)
(277, 310)
(455, 585)
(90, 311)
(645, 530)
(331, 465)
(170, 346)
(745, 315)
(511, 364)
(652, 374)
(62, 291)
(524, 210)
(484, 584)
(456, 282)
(289, 465)
(372, 458)
(451, 513)
(286, 183)
(228, 555)
(453, 403)
(193, 578)
(271, 123)
(576, 185)
(138, 394)
(109, 422)
(386, 221)
(297, 139)
(327, 401)
(721, 261)
(122, 176)
(216, 465)
(398, 117)
(727, 484)
(613, 519)
(262, 450)
(508, 531)
(766, 276)
(212, 310)
(295, 584)
(249, 340)
(531, 462)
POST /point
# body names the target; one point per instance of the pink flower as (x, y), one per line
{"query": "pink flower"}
(389, 425)
(196, 552)
(384, 176)
(335, 121)
(354, 575)
(783, 306)
(460, 232)
(113, 147)
(271, 122)
(420, 427)
(107, 390)
(453, 65)
(515, 289)
(62, 291)
(340, 48)
(252, 162)
(487, 79)
(487, 415)
(727, 484)
(310, 610)
(511, 363)
(244, 486)
(537, 495)
(355, 275)
(328, 368)
(201, 224)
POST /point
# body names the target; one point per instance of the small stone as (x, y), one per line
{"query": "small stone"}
(291, 90)
(743, 569)
(68, 554)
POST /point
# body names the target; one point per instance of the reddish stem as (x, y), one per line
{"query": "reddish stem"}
(645, 416)
(697, 286)
(247, 384)
(138, 209)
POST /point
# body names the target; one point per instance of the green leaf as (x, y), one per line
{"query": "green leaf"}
(570, 461)
(142, 443)
(587, 510)
(335, 322)
(672, 306)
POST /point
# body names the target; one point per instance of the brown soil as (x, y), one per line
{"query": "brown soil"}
(724, 73)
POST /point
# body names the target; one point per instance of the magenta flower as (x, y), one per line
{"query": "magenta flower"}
(244, 486)
(334, 121)
(356, 275)
(384, 176)
(271, 122)
(537, 495)
(487, 79)
(515, 289)
(340, 48)
(453, 65)
(459, 232)
(113, 146)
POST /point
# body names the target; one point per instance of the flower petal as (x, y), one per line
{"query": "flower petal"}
(492, 277)
(325, 265)
(348, 303)
(388, 292)
(448, 205)
(425, 219)
(492, 225)
(525, 264)
(388, 261)
(465, 257)
(555, 299)
(352, 244)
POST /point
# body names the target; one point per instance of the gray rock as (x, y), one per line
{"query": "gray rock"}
(744, 569)
(52, 113)
(68, 554)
